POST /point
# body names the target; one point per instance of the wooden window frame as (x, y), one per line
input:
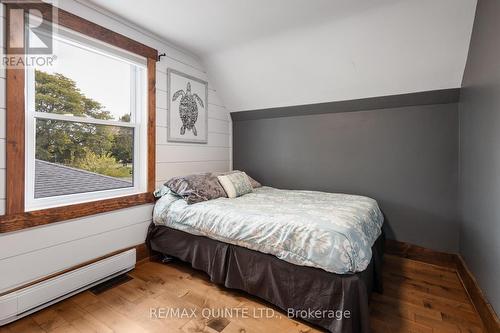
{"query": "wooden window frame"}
(16, 218)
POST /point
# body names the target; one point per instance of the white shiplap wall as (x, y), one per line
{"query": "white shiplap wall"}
(174, 159)
(33, 253)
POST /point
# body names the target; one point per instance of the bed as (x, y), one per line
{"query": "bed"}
(315, 255)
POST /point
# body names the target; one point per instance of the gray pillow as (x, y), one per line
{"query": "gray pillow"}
(197, 188)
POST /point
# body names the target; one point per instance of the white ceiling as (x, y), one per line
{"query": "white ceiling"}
(268, 53)
(206, 26)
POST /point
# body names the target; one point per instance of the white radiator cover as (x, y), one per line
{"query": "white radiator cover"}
(25, 301)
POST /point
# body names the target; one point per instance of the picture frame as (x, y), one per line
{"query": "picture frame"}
(187, 108)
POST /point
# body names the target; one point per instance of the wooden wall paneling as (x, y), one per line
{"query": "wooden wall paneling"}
(14, 222)
(14, 124)
(151, 124)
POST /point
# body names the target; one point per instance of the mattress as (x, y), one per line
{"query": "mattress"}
(331, 231)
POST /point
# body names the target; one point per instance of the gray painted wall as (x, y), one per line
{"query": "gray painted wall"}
(406, 158)
(480, 152)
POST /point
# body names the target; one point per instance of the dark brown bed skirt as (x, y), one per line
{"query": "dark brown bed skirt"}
(336, 302)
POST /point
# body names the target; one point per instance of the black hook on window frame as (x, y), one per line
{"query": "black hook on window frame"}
(161, 55)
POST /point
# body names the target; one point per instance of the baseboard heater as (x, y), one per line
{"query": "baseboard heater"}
(25, 301)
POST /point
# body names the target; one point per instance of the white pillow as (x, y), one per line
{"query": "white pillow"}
(235, 184)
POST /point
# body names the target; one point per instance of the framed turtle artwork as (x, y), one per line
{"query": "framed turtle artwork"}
(187, 108)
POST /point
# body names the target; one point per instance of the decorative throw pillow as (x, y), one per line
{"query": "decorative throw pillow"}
(196, 188)
(255, 184)
(235, 184)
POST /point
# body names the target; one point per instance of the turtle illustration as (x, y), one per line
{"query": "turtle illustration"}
(188, 108)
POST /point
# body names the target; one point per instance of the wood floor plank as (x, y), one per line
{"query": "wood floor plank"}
(69, 328)
(113, 319)
(407, 310)
(426, 278)
(428, 300)
(438, 325)
(463, 321)
(85, 299)
(434, 276)
(396, 323)
(379, 325)
(417, 298)
(68, 310)
(454, 294)
(48, 319)
(89, 324)
(25, 325)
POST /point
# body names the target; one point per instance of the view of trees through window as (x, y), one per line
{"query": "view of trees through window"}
(103, 149)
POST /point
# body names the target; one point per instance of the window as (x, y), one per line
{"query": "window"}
(80, 133)
(85, 116)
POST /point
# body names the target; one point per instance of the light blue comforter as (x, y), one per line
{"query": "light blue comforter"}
(334, 232)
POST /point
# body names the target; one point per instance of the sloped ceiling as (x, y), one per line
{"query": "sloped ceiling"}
(270, 53)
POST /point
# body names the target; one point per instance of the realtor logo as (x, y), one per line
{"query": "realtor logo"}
(29, 27)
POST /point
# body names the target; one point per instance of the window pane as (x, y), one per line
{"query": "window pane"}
(75, 157)
(85, 83)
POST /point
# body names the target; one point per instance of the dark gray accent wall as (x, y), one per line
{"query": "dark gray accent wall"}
(405, 157)
(480, 152)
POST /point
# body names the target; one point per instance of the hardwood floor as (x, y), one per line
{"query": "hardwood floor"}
(418, 297)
